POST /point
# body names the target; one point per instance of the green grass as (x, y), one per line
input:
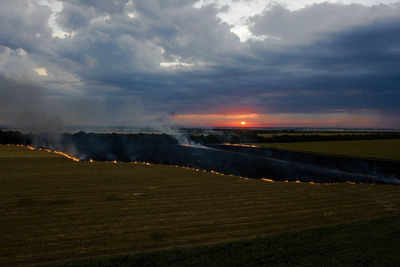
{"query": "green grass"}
(54, 209)
(380, 149)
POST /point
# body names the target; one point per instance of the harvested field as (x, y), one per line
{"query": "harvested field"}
(268, 135)
(55, 209)
(379, 149)
(374, 242)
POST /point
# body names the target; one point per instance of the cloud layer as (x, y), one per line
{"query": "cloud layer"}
(141, 62)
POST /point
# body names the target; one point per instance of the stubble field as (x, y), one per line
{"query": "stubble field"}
(55, 210)
(376, 149)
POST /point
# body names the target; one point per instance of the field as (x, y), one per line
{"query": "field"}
(364, 243)
(55, 210)
(268, 135)
(380, 149)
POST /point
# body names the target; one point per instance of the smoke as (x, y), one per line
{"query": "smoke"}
(27, 106)
(349, 168)
(23, 105)
(240, 161)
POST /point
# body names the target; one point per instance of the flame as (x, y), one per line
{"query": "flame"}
(243, 145)
(50, 151)
(267, 180)
(61, 153)
(28, 147)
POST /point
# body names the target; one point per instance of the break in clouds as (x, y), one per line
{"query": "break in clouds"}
(141, 62)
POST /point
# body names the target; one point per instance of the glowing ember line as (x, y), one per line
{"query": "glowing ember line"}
(267, 180)
(65, 155)
(243, 145)
(28, 147)
(50, 151)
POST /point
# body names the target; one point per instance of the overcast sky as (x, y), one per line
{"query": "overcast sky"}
(200, 63)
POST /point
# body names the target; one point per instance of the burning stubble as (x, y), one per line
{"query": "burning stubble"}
(165, 149)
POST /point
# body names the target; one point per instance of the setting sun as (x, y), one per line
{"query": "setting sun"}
(243, 123)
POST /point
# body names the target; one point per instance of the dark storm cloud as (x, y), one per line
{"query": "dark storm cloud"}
(354, 69)
(73, 17)
(157, 32)
(323, 58)
(318, 20)
(23, 25)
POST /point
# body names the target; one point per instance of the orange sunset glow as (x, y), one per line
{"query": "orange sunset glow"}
(274, 120)
(221, 120)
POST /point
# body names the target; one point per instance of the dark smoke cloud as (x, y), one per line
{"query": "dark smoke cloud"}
(24, 105)
(27, 106)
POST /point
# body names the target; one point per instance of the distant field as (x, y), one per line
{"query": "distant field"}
(381, 149)
(54, 209)
(268, 135)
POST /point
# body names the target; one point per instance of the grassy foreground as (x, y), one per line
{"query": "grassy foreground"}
(367, 243)
(380, 149)
(55, 210)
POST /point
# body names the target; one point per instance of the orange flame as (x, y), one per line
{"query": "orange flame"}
(267, 180)
(243, 145)
(62, 154)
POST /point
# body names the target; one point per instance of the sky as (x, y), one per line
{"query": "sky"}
(208, 63)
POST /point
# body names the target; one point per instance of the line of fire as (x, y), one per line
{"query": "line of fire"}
(241, 160)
